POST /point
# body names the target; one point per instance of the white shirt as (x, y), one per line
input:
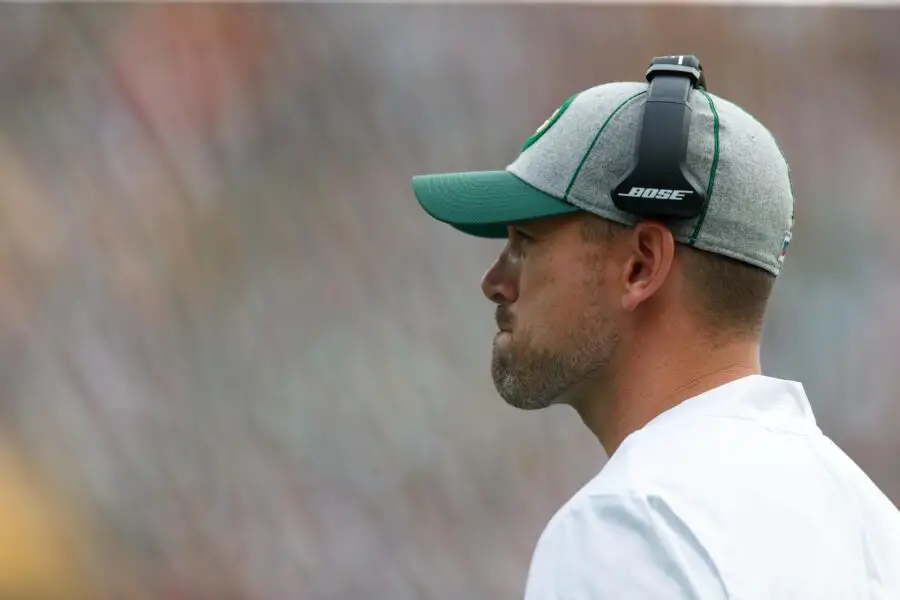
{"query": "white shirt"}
(735, 494)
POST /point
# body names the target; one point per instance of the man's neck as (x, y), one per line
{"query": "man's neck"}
(652, 383)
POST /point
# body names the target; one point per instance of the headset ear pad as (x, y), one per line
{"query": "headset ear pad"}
(660, 184)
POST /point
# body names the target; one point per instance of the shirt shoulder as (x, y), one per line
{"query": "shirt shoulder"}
(650, 524)
(700, 502)
(621, 545)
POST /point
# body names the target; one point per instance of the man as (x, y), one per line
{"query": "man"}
(719, 482)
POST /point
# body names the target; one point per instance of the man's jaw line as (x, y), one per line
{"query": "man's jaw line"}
(644, 391)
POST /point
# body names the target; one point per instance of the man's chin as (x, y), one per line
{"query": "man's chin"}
(528, 406)
(517, 397)
(524, 389)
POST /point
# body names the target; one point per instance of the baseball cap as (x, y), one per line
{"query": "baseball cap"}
(577, 157)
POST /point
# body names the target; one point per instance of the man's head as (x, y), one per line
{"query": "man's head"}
(577, 295)
(584, 289)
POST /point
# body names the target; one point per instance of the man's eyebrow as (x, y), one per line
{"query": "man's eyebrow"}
(525, 228)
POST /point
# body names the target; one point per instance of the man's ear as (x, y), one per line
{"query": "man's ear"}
(649, 253)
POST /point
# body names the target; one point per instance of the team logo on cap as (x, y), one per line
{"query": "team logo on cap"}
(548, 123)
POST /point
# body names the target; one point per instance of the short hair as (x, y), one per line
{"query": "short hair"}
(728, 297)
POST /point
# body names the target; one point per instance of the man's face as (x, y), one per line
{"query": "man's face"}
(556, 311)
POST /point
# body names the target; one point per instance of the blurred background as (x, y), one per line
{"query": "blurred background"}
(239, 362)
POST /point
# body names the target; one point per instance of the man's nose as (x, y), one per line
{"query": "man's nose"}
(500, 282)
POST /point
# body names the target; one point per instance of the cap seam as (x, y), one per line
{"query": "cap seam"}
(710, 187)
(594, 142)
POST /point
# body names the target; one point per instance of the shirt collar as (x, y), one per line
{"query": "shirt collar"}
(776, 403)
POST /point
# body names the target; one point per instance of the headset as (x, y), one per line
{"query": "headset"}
(661, 185)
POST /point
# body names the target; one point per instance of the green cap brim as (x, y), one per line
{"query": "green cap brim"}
(483, 203)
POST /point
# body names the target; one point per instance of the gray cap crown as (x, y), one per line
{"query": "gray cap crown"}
(585, 149)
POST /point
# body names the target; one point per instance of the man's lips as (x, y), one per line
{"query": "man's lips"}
(504, 320)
